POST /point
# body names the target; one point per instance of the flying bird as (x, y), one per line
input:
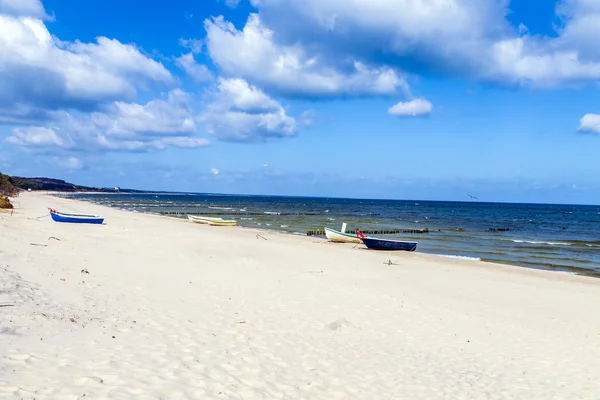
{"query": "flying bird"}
(473, 197)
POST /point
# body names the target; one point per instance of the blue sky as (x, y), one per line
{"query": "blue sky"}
(388, 98)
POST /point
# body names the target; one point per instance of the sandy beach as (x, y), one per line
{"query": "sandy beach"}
(152, 307)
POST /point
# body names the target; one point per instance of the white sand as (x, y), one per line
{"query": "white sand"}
(176, 310)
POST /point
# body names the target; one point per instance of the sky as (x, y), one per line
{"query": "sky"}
(398, 99)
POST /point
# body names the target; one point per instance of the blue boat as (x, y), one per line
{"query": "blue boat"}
(76, 218)
(386, 244)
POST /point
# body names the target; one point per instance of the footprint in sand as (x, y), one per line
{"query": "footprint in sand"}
(341, 325)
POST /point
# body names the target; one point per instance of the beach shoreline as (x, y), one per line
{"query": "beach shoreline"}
(148, 306)
(524, 261)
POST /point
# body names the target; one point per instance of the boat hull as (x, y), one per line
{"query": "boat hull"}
(385, 244)
(212, 221)
(340, 237)
(76, 218)
(197, 220)
(224, 222)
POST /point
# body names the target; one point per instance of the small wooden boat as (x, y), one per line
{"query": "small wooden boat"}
(340, 237)
(387, 244)
(212, 221)
(202, 220)
(75, 218)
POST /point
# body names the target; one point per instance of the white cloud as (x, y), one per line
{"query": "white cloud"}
(590, 123)
(232, 3)
(195, 45)
(246, 98)
(526, 61)
(199, 72)
(41, 73)
(121, 126)
(69, 162)
(214, 171)
(463, 38)
(253, 54)
(38, 136)
(240, 112)
(413, 108)
(308, 117)
(172, 116)
(184, 142)
(523, 29)
(29, 8)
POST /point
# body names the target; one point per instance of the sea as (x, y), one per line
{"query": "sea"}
(544, 236)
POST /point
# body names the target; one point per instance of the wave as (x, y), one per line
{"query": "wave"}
(538, 242)
(222, 208)
(271, 213)
(460, 257)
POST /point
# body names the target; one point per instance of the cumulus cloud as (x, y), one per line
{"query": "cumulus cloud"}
(120, 126)
(253, 54)
(590, 123)
(413, 108)
(38, 136)
(240, 112)
(41, 73)
(29, 8)
(198, 72)
(452, 37)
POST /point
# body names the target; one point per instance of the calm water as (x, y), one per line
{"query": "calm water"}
(557, 237)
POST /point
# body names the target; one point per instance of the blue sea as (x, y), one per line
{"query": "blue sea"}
(543, 236)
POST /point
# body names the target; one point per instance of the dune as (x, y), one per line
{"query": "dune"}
(152, 307)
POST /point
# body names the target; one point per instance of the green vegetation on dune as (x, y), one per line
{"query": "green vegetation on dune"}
(7, 188)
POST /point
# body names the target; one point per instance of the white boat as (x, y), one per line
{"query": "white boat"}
(202, 220)
(223, 222)
(341, 237)
(212, 221)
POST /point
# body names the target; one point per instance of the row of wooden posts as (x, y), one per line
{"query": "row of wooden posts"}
(228, 213)
(372, 232)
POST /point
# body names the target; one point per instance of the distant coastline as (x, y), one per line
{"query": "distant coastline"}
(59, 185)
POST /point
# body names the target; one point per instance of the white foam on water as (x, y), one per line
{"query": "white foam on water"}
(461, 257)
(540, 242)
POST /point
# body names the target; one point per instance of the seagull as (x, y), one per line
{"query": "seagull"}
(473, 197)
